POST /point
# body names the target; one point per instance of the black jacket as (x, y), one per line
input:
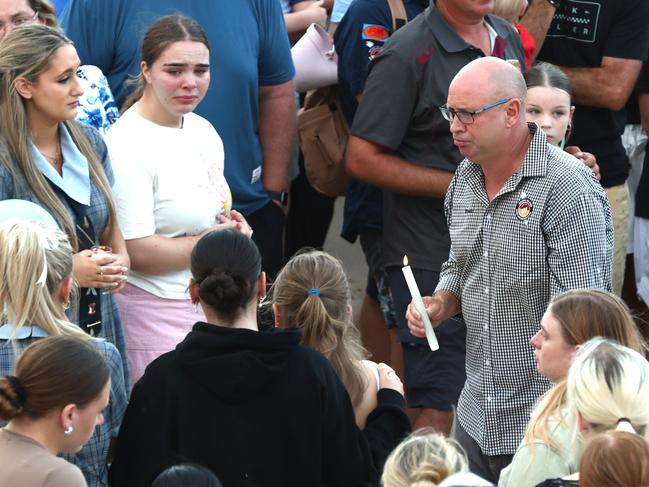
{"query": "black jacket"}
(258, 409)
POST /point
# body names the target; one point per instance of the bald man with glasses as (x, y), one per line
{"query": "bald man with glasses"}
(401, 143)
(527, 222)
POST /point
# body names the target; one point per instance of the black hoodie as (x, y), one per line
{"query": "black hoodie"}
(258, 409)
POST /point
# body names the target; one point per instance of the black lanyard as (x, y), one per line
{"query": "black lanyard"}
(89, 317)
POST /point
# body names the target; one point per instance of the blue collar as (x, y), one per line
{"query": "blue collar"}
(75, 181)
(24, 332)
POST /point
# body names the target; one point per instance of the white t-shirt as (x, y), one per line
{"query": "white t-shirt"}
(168, 182)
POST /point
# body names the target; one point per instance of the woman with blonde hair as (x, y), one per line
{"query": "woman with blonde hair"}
(572, 318)
(53, 401)
(607, 388)
(424, 459)
(36, 270)
(312, 293)
(51, 160)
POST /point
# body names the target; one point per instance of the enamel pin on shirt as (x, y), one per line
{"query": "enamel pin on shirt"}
(524, 207)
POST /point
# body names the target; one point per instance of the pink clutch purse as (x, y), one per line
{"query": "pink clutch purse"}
(315, 60)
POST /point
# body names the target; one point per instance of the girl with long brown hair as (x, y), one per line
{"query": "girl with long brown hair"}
(169, 163)
(311, 293)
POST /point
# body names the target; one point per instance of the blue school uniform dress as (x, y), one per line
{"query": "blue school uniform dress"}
(75, 184)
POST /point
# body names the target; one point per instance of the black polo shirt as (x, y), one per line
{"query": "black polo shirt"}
(360, 36)
(407, 83)
(582, 32)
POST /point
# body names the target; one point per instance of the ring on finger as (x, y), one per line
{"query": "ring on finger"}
(100, 272)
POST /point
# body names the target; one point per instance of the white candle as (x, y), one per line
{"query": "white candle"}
(419, 304)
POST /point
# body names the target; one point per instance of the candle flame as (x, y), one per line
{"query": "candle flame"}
(405, 260)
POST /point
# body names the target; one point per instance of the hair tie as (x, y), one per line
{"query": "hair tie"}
(624, 419)
(313, 290)
(21, 393)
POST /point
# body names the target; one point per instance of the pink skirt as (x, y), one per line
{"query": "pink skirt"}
(153, 325)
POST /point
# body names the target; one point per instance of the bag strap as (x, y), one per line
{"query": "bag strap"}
(398, 11)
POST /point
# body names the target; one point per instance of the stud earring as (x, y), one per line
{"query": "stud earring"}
(68, 430)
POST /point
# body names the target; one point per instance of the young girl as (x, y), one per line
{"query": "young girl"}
(311, 293)
(47, 158)
(36, 270)
(549, 105)
(615, 459)
(171, 190)
(256, 408)
(53, 402)
(424, 459)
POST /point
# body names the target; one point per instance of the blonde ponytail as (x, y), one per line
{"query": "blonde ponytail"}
(313, 293)
(608, 384)
(26, 250)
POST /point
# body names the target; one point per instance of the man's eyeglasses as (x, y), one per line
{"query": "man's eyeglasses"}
(17, 22)
(467, 117)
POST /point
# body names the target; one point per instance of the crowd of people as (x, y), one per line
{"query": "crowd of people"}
(169, 316)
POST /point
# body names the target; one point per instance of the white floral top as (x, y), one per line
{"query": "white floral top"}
(97, 106)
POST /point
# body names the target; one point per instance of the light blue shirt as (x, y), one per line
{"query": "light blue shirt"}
(75, 178)
(7, 332)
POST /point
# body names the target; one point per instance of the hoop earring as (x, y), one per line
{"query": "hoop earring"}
(68, 430)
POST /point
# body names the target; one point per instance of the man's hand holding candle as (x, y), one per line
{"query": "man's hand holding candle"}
(440, 306)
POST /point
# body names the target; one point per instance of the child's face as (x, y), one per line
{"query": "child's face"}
(550, 108)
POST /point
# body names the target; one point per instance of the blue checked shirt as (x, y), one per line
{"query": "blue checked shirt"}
(91, 459)
(548, 230)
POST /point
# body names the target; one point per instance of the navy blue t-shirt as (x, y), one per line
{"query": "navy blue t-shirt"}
(361, 34)
(248, 48)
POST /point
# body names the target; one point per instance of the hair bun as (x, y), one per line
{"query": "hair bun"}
(12, 397)
(224, 292)
(428, 474)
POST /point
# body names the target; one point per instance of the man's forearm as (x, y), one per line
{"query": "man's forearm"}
(608, 86)
(367, 162)
(451, 305)
(537, 21)
(277, 130)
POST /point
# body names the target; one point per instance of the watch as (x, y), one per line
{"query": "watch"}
(280, 196)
